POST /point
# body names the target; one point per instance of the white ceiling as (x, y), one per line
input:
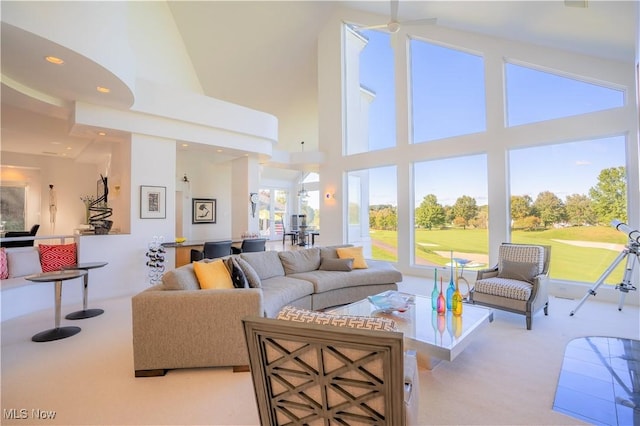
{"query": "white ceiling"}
(269, 55)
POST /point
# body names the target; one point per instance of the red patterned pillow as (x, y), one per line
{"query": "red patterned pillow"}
(4, 270)
(54, 257)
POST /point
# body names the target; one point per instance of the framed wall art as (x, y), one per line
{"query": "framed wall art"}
(153, 202)
(203, 210)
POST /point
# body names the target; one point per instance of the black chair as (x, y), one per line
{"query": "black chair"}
(292, 234)
(26, 243)
(212, 250)
(250, 245)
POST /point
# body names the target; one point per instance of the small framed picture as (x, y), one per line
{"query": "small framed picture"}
(203, 210)
(153, 202)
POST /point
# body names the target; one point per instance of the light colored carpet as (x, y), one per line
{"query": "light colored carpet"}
(507, 376)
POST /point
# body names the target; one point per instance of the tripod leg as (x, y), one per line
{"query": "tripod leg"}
(621, 302)
(626, 285)
(598, 283)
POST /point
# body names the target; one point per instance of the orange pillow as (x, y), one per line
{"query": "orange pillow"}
(354, 253)
(212, 275)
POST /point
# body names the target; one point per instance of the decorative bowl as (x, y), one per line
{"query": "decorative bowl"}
(180, 240)
(390, 301)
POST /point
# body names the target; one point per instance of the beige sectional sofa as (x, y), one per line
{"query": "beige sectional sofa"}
(178, 325)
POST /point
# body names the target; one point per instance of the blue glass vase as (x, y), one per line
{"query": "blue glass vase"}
(434, 292)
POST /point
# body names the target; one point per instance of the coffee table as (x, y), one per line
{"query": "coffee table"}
(434, 337)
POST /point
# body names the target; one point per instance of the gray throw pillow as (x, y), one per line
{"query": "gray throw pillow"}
(182, 278)
(252, 276)
(297, 261)
(522, 271)
(344, 265)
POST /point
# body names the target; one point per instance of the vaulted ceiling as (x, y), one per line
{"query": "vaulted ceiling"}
(262, 54)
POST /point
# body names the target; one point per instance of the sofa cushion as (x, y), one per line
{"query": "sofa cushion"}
(289, 313)
(300, 260)
(280, 291)
(252, 276)
(354, 253)
(379, 272)
(4, 269)
(504, 287)
(182, 278)
(344, 265)
(23, 261)
(266, 263)
(212, 275)
(54, 257)
(330, 252)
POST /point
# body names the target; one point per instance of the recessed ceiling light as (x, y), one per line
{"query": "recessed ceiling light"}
(68, 148)
(102, 133)
(184, 145)
(103, 89)
(54, 60)
(218, 150)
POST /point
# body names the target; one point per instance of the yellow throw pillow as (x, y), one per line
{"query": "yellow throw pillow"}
(212, 275)
(354, 253)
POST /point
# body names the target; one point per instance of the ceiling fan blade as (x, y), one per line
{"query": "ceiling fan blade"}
(372, 27)
(394, 10)
(424, 21)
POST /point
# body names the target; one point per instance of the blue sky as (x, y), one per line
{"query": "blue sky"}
(449, 101)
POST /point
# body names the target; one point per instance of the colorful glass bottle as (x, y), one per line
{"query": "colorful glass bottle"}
(434, 292)
(451, 288)
(442, 304)
(456, 304)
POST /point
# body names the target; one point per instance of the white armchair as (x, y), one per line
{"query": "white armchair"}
(518, 283)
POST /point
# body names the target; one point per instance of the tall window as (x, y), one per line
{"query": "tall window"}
(272, 212)
(568, 201)
(453, 140)
(13, 207)
(447, 92)
(528, 89)
(451, 211)
(373, 211)
(369, 91)
(310, 203)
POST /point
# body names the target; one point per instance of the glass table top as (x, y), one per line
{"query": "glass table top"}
(442, 335)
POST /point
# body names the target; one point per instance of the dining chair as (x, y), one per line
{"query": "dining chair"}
(212, 250)
(251, 245)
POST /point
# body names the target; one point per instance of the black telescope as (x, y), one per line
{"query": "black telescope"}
(633, 234)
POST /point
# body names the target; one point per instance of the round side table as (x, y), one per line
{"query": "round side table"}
(57, 277)
(85, 313)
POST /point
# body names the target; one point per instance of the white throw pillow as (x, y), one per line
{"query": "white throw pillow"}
(23, 262)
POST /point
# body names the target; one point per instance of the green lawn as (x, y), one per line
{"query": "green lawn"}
(570, 262)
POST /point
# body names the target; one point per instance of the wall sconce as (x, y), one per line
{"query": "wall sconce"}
(186, 185)
(330, 196)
